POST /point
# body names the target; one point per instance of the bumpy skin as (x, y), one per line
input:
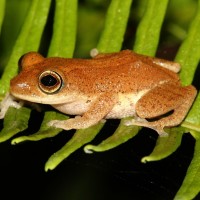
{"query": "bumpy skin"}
(112, 85)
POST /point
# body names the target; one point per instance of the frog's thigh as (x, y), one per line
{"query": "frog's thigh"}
(165, 98)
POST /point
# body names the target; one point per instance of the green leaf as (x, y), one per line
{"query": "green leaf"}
(45, 131)
(109, 33)
(117, 14)
(115, 25)
(87, 39)
(80, 138)
(165, 146)
(63, 40)
(15, 121)
(191, 184)
(188, 56)
(148, 31)
(11, 27)
(62, 44)
(189, 52)
(147, 38)
(111, 41)
(122, 134)
(2, 12)
(28, 40)
(118, 136)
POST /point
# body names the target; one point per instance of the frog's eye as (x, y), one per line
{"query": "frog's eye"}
(50, 82)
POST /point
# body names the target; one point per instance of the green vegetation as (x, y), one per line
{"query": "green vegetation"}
(156, 22)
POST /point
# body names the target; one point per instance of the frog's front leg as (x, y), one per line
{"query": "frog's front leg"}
(98, 110)
(6, 103)
(164, 106)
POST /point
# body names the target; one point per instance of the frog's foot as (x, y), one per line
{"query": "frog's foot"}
(136, 121)
(59, 124)
(145, 123)
(74, 123)
(6, 103)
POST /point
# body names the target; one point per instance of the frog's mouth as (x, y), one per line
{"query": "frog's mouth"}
(24, 91)
(45, 98)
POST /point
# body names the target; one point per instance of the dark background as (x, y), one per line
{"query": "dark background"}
(115, 174)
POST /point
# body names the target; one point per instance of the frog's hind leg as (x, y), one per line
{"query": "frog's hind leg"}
(172, 66)
(164, 106)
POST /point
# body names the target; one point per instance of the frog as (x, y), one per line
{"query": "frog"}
(108, 86)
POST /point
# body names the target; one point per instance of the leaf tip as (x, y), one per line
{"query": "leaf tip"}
(17, 140)
(89, 149)
(49, 166)
(145, 159)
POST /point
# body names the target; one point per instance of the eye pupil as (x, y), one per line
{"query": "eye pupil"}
(49, 80)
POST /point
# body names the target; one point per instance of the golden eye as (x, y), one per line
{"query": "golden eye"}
(50, 82)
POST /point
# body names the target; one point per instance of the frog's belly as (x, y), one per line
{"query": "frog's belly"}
(74, 108)
(124, 107)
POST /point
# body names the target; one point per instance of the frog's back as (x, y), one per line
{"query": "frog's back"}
(129, 77)
(116, 72)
